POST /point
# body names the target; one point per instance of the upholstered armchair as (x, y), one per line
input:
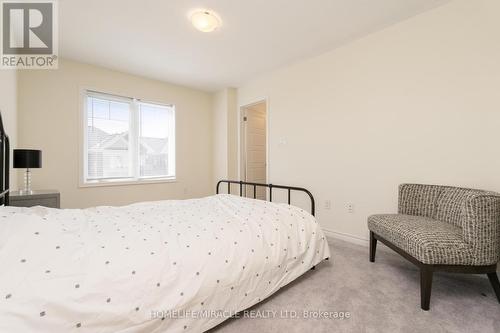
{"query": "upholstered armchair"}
(442, 228)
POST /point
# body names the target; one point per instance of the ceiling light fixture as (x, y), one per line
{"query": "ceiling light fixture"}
(205, 20)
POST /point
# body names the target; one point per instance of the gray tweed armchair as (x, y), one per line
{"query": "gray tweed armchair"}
(442, 228)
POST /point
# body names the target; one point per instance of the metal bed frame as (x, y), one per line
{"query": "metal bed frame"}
(4, 165)
(271, 187)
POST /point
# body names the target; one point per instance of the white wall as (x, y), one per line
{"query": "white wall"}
(232, 134)
(225, 134)
(220, 128)
(49, 106)
(8, 107)
(416, 102)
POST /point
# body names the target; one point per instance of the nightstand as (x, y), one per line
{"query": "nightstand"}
(47, 198)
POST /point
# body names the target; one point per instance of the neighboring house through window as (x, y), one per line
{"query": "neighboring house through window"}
(126, 139)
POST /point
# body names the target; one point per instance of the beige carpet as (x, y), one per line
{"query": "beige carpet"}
(381, 297)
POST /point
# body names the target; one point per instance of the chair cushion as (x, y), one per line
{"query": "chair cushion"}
(428, 240)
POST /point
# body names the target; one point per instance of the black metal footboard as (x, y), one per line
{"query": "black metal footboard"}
(270, 186)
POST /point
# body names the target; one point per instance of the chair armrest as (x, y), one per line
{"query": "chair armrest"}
(418, 199)
(481, 227)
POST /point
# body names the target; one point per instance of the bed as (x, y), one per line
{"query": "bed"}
(164, 266)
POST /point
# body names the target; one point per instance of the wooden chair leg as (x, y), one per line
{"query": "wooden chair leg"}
(493, 277)
(425, 287)
(373, 246)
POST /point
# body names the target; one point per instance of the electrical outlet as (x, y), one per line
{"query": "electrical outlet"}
(328, 204)
(350, 208)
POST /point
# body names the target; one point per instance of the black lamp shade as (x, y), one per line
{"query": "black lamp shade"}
(27, 158)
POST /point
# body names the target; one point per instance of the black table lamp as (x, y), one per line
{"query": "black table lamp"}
(27, 159)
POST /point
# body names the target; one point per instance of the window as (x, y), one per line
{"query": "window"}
(126, 139)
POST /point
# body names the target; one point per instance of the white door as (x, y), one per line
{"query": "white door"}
(254, 123)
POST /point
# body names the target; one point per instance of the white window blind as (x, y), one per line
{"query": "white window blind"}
(127, 139)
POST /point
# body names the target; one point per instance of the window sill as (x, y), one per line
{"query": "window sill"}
(145, 181)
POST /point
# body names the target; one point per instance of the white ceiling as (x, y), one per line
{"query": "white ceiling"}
(154, 38)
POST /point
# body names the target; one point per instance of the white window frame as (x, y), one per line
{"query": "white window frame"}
(134, 121)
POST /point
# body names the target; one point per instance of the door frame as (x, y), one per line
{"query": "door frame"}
(241, 141)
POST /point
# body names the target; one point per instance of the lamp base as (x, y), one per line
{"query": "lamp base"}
(27, 183)
(25, 192)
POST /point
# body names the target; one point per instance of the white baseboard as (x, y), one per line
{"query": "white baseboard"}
(346, 237)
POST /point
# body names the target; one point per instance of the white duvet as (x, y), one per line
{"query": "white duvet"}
(166, 266)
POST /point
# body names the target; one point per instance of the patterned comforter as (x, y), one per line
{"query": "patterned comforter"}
(166, 266)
